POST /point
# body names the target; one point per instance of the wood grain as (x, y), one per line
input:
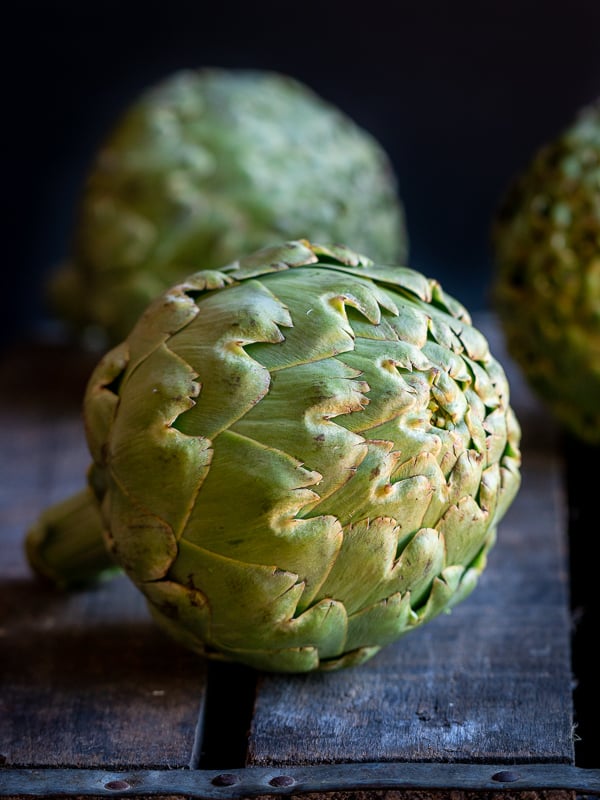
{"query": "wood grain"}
(86, 678)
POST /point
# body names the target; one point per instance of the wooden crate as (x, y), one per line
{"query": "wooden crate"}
(95, 701)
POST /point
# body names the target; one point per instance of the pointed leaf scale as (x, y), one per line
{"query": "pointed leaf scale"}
(385, 571)
(464, 526)
(353, 658)
(316, 300)
(371, 492)
(442, 591)
(101, 401)
(182, 611)
(262, 600)
(154, 464)
(288, 660)
(214, 345)
(382, 366)
(302, 417)
(382, 623)
(141, 542)
(272, 488)
(273, 259)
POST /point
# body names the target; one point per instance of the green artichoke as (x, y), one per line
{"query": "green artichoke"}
(209, 164)
(297, 459)
(546, 241)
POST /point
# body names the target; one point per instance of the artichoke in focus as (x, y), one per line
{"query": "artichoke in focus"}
(546, 241)
(297, 459)
(206, 165)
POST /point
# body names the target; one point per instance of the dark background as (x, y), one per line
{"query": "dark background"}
(458, 93)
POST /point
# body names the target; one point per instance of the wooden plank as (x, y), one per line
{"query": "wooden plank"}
(490, 682)
(86, 679)
(582, 487)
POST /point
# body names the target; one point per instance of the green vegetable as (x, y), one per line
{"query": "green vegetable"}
(210, 164)
(297, 459)
(546, 240)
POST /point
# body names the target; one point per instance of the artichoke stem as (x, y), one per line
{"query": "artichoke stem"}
(66, 544)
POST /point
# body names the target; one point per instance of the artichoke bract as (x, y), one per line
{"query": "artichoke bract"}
(209, 164)
(546, 242)
(297, 459)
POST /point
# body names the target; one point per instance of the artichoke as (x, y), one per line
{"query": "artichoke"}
(297, 459)
(546, 242)
(209, 164)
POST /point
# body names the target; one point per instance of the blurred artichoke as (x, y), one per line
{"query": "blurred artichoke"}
(210, 164)
(546, 240)
(297, 459)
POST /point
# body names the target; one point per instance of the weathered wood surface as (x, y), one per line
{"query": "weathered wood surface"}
(86, 679)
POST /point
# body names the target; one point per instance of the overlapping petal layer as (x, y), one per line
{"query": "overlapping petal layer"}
(306, 457)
